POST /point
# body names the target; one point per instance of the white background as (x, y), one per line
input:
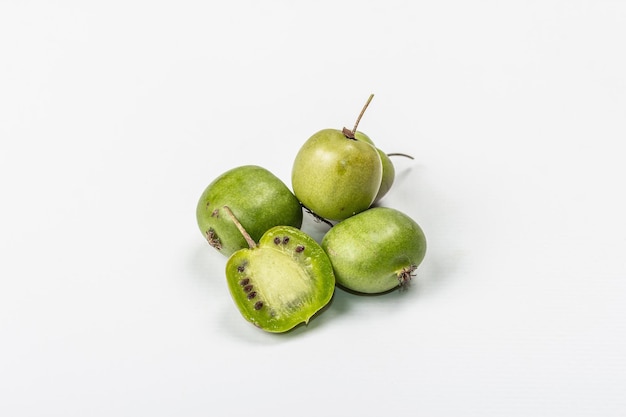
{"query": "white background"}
(115, 115)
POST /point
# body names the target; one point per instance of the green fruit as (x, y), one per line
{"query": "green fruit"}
(258, 198)
(389, 171)
(334, 176)
(281, 282)
(375, 251)
(389, 175)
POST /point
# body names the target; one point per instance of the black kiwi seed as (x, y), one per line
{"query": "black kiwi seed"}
(248, 288)
(299, 248)
(244, 282)
(285, 240)
(252, 295)
(241, 267)
(258, 305)
(276, 240)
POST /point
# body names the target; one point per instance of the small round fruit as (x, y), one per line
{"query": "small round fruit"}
(334, 176)
(375, 251)
(281, 282)
(389, 175)
(389, 171)
(258, 198)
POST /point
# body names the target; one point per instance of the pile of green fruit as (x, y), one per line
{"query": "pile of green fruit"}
(277, 274)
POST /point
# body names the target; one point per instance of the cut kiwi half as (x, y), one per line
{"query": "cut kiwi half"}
(282, 281)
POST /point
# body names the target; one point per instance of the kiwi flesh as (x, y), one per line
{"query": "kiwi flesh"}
(282, 281)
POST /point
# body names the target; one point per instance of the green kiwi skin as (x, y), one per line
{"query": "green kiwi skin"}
(334, 176)
(292, 279)
(375, 251)
(389, 175)
(258, 198)
(389, 171)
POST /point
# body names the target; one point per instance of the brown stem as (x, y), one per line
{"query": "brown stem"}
(400, 154)
(243, 231)
(316, 216)
(350, 133)
(367, 103)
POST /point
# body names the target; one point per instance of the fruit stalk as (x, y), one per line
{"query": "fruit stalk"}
(317, 217)
(400, 154)
(243, 231)
(350, 133)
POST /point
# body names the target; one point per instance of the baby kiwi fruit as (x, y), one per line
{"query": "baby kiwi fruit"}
(375, 251)
(389, 171)
(336, 176)
(282, 281)
(259, 199)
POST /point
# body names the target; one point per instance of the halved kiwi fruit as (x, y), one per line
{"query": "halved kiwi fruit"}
(282, 281)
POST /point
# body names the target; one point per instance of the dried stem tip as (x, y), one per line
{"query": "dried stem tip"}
(405, 275)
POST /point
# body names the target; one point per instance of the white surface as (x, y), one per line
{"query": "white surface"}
(114, 116)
